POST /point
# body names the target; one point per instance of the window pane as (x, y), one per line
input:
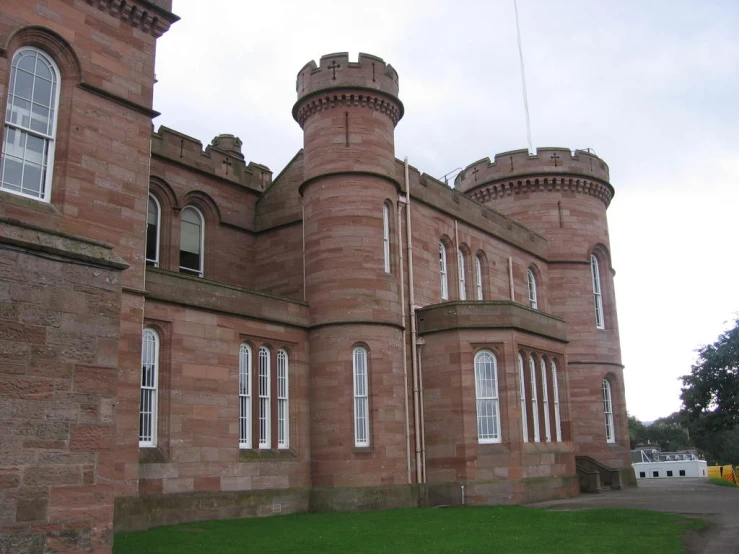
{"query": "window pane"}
(40, 119)
(42, 92)
(190, 237)
(23, 85)
(12, 173)
(32, 179)
(20, 112)
(27, 61)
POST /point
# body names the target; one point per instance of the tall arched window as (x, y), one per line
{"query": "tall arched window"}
(191, 241)
(149, 388)
(478, 278)
(531, 282)
(30, 125)
(555, 395)
(534, 399)
(486, 391)
(442, 272)
(361, 397)
(462, 280)
(597, 296)
(153, 224)
(524, 418)
(244, 396)
(386, 236)
(283, 410)
(608, 411)
(265, 406)
(545, 400)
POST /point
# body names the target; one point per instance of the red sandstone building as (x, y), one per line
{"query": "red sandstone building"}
(184, 336)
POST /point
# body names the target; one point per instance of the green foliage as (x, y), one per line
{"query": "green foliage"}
(668, 433)
(711, 392)
(511, 529)
(721, 482)
(719, 447)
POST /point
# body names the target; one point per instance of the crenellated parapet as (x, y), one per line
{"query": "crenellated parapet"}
(547, 169)
(335, 82)
(222, 158)
(151, 16)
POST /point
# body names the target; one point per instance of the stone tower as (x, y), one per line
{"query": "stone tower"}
(348, 112)
(564, 197)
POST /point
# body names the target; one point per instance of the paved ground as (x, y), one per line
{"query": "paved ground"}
(719, 506)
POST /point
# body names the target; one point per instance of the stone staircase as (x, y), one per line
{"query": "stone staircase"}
(597, 477)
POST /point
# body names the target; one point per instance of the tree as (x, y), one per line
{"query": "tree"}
(637, 431)
(711, 391)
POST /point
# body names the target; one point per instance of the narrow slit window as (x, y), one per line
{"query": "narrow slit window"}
(545, 400)
(361, 398)
(478, 278)
(153, 224)
(283, 406)
(191, 242)
(531, 282)
(442, 272)
(245, 417)
(486, 391)
(29, 137)
(148, 408)
(534, 399)
(265, 405)
(608, 412)
(386, 236)
(462, 280)
(555, 395)
(522, 380)
(597, 294)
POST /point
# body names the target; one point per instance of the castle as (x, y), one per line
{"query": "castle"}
(184, 336)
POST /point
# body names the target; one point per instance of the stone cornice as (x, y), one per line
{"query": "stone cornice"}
(140, 14)
(355, 97)
(490, 191)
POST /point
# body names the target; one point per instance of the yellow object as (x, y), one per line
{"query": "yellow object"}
(728, 473)
(714, 471)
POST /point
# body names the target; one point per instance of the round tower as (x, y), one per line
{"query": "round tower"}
(348, 112)
(564, 197)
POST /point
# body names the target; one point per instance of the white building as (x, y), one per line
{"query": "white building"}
(658, 465)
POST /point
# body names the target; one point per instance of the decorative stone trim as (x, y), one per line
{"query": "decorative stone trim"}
(140, 14)
(346, 99)
(493, 191)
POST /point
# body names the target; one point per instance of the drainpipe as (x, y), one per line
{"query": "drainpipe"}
(302, 213)
(401, 201)
(414, 347)
(423, 423)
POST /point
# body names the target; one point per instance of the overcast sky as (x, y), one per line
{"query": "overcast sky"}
(652, 86)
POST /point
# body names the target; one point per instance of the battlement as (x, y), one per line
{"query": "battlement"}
(336, 71)
(222, 158)
(519, 163)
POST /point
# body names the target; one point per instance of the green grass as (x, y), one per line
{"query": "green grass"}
(721, 482)
(510, 529)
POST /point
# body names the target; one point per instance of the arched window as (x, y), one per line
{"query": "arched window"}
(283, 410)
(531, 282)
(478, 278)
(191, 241)
(265, 427)
(534, 399)
(442, 272)
(486, 391)
(244, 396)
(555, 395)
(608, 411)
(386, 236)
(361, 398)
(149, 388)
(522, 379)
(545, 400)
(30, 125)
(462, 280)
(153, 224)
(597, 296)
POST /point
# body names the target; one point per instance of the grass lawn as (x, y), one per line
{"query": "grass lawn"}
(505, 529)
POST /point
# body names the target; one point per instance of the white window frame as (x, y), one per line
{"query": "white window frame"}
(360, 372)
(443, 272)
(545, 400)
(48, 138)
(486, 394)
(155, 261)
(265, 399)
(187, 270)
(386, 236)
(608, 412)
(149, 383)
(531, 283)
(245, 413)
(524, 414)
(462, 278)
(597, 293)
(534, 399)
(283, 400)
(478, 278)
(555, 394)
